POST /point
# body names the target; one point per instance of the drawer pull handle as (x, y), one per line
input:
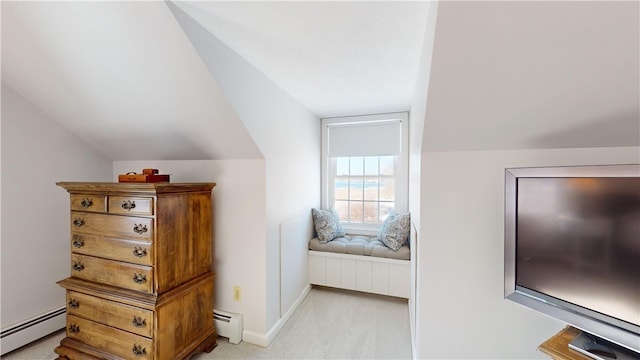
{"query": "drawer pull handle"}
(140, 228)
(74, 328)
(128, 205)
(139, 252)
(78, 266)
(139, 322)
(77, 241)
(86, 202)
(138, 350)
(77, 222)
(74, 304)
(139, 278)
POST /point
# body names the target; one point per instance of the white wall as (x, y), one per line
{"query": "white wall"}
(37, 152)
(416, 131)
(288, 136)
(462, 313)
(238, 225)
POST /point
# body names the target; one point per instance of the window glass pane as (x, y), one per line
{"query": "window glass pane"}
(386, 165)
(356, 187)
(371, 165)
(387, 189)
(385, 209)
(371, 189)
(342, 166)
(355, 211)
(356, 166)
(370, 212)
(342, 207)
(341, 188)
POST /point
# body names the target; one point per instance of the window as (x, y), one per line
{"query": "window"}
(365, 166)
(363, 188)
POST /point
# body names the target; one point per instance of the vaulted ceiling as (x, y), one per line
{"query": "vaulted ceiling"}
(336, 58)
(534, 74)
(121, 75)
(504, 75)
(125, 77)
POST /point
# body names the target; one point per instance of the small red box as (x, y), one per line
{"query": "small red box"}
(150, 171)
(143, 178)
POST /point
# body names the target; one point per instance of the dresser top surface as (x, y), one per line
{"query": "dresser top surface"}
(151, 188)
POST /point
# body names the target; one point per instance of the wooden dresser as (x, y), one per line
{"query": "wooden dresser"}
(141, 284)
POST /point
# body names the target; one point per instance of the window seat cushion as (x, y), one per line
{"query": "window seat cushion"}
(360, 245)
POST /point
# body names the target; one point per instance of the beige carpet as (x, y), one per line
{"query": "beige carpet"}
(328, 324)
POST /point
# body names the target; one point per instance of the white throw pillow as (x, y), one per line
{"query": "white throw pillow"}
(327, 224)
(395, 230)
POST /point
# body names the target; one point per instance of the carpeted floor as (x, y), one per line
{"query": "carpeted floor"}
(328, 324)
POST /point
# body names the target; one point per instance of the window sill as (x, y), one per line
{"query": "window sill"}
(360, 230)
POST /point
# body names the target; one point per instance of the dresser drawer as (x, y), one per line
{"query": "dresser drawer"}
(133, 251)
(129, 318)
(114, 341)
(111, 272)
(130, 205)
(112, 225)
(94, 203)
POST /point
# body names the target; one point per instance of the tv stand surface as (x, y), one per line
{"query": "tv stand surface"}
(573, 344)
(557, 347)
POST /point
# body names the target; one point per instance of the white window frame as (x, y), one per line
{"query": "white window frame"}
(401, 167)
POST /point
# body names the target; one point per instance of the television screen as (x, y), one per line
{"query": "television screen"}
(572, 240)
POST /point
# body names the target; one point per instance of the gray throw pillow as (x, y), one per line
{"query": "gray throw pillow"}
(394, 231)
(327, 224)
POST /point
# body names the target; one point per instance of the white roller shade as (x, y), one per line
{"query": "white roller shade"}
(377, 138)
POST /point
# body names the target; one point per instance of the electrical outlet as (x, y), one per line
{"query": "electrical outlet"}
(236, 293)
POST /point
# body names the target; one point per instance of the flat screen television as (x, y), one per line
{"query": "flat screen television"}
(572, 246)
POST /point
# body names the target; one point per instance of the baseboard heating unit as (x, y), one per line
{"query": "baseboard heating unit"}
(228, 325)
(32, 329)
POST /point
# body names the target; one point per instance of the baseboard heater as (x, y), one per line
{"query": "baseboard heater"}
(228, 325)
(20, 334)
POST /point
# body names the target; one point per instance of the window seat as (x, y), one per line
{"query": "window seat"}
(360, 245)
(362, 263)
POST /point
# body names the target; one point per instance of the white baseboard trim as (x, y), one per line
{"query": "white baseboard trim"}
(25, 332)
(412, 329)
(265, 340)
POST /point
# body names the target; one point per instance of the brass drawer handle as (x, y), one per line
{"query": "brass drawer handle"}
(78, 241)
(139, 252)
(86, 202)
(74, 328)
(128, 205)
(139, 278)
(140, 228)
(74, 304)
(138, 350)
(78, 266)
(77, 222)
(139, 322)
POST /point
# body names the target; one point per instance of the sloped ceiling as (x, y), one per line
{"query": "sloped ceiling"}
(336, 58)
(124, 77)
(121, 75)
(539, 74)
(504, 75)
